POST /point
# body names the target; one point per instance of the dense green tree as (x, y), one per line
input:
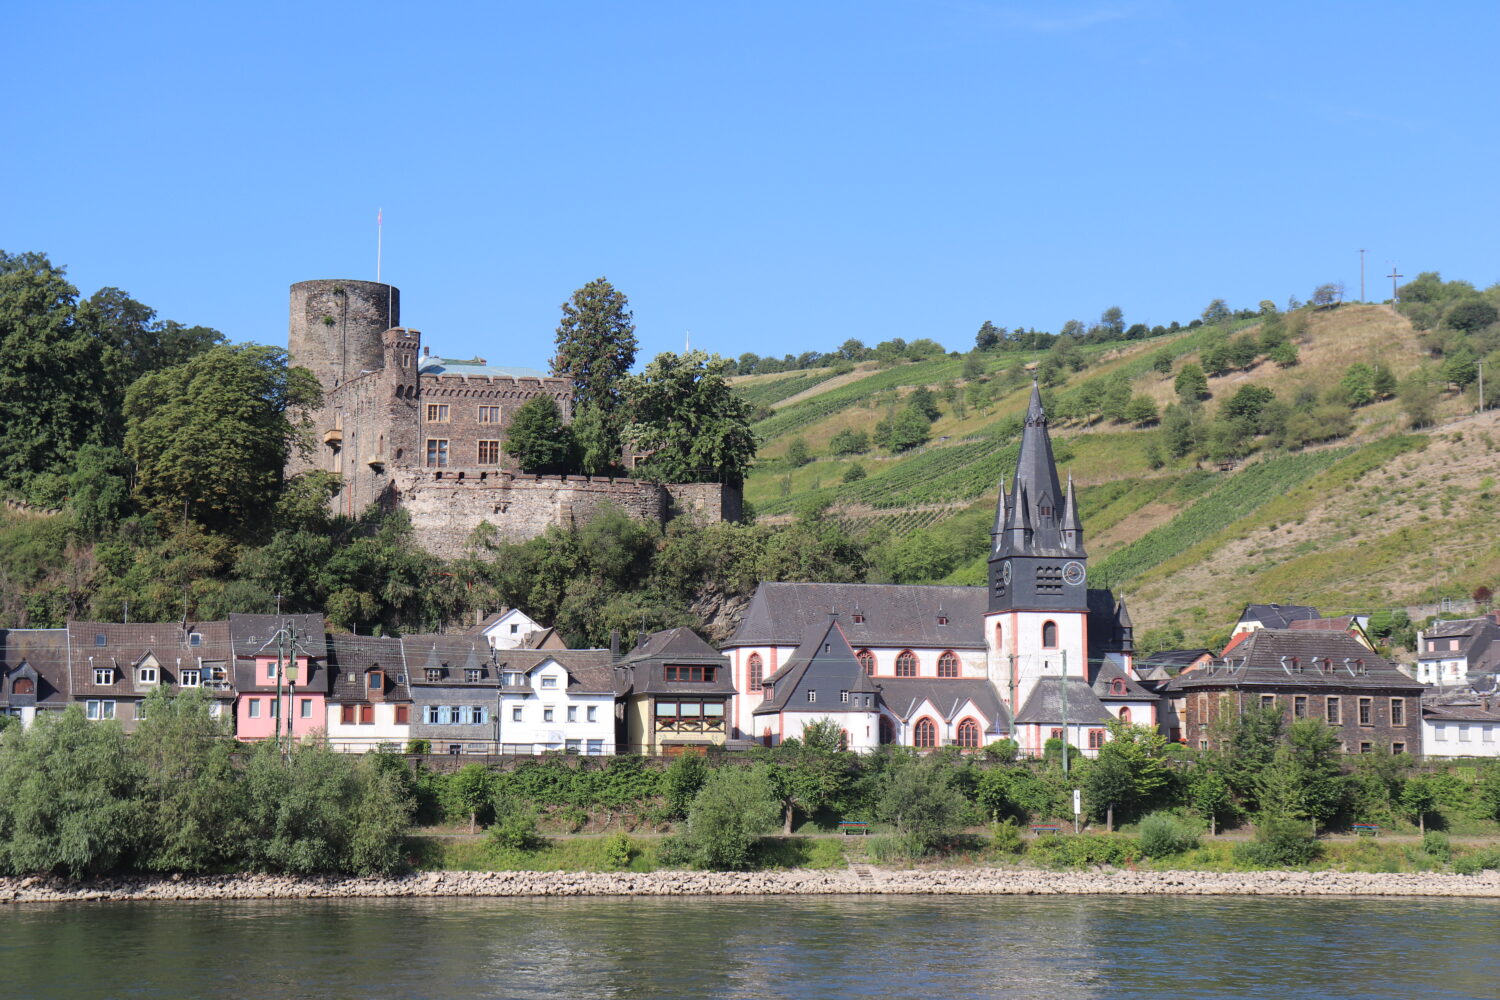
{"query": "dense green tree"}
(1284, 354)
(682, 780)
(1191, 384)
(919, 800)
(210, 437)
(538, 439)
(1161, 363)
(1217, 311)
(686, 420)
(596, 440)
(1141, 410)
(903, 431)
(1246, 743)
(99, 489)
(1304, 779)
(1419, 397)
(797, 453)
(988, 336)
(1383, 382)
(1209, 795)
(1460, 369)
(853, 350)
(595, 348)
(1419, 798)
(924, 402)
(853, 474)
(68, 802)
(1129, 774)
(1248, 401)
(1180, 430)
(1471, 315)
(188, 786)
(1113, 321)
(730, 813)
(849, 442)
(1357, 387)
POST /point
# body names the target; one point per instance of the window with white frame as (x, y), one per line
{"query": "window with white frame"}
(190, 678)
(547, 714)
(593, 713)
(100, 710)
(572, 713)
(812, 696)
(104, 675)
(549, 682)
(252, 708)
(146, 675)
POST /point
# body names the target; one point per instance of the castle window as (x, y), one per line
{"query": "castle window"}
(948, 664)
(1096, 739)
(1332, 712)
(866, 660)
(906, 664)
(489, 414)
(1049, 635)
(437, 453)
(757, 669)
(968, 734)
(489, 453)
(437, 413)
(1398, 712)
(925, 734)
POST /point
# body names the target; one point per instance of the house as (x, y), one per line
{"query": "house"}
(1257, 616)
(507, 628)
(281, 675)
(369, 703)
(113, 667)
(677, 693)
(557, 700)
(1023, 653)
(1307, 674)
(1461, 722)
(1453, 652)
(1156, 670)
(33, 672)
(455, 692)
(1355, 625)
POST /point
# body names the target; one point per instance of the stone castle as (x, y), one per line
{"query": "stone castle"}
(408, 430)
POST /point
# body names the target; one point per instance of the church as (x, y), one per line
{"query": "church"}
(1036, 654)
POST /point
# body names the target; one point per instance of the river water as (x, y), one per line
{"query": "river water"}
(876, 947)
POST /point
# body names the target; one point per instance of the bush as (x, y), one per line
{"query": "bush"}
(854, 473)
(1435, 844)
(674, 852)
(1477, 861)
(883, 850)
(731, 811)
(1089, 849)
(617, 851)
(1163, 834)
(514, 829)
(1005, 838)
(1279, 843)
(419, 746)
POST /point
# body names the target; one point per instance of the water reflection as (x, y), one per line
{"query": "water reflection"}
(872, 946)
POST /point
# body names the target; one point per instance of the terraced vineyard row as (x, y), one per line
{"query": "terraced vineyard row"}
(776, 389)
(1235, 497)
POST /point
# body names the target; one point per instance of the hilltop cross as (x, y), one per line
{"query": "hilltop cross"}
(1393, 276)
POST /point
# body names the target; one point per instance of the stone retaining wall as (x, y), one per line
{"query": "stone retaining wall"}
(859, 881)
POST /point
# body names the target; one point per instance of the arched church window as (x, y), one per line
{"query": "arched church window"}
(999, 635)
(757, 668)
(948, 664)
(1049, 635)
(1117, 686)
(906, 664)
(968, 734)
(1125, 715)
(887, 730)
(925, 734)
(866, 660)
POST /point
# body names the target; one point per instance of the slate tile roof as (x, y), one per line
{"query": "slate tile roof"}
(643, 669)
(124, 645)
(1285, 658)
(589, 670)
(895, 615)
(45, 650)
(1045, 704)
(352, 656)
(255, 635)
(1278, 615)
(1170, 661)
(1104, 684)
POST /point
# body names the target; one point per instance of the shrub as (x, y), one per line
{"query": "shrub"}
(419, 746)
(617, 851)
(1435, 844)
(731, 811)
(854, 473)
(674, 852)
(514, 829)
(883, 850)
(1477, 861)
(1088, 849)
(1279, 843)
(1005, 838)
(1163, 834)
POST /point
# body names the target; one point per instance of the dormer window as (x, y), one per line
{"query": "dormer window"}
(433, 673)
(147, 675)
(195, 639)
(859, 619)
(104, 675)
(549, 681)
(1045, 511)
(189, 678)
(942, 619)
(812, 696)
(375, 680)
(694, 674)
(514, 680)
(472, 675)
(1117, 686)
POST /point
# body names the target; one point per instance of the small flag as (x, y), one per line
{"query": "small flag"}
(379, 213)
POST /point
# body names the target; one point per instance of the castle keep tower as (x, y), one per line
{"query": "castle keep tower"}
(336, 327)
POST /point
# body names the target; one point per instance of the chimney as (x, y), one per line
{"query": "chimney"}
(640, 639)
(614, 645)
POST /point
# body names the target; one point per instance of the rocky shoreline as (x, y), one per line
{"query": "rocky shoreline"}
(854, 881)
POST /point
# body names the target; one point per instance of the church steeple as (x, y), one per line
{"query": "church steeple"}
(1037, 557)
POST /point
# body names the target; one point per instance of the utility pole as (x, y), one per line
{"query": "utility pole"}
(1065, 710)
(291, 684)
(1481, 386)
(1393, 276)
(1361, 275)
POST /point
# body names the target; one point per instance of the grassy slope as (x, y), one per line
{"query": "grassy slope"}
(1361, 523)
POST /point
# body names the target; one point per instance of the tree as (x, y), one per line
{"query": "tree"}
(1209, 794)
(99, 488)
(1419, 397)
(538, 439)
(473, 789)
(1130, 772)
(854, 473)
(903, 431)
(1180, 430)
(973, 365)
(1216, 311)
(1460, 369)
(853, 350)
(922, 804)
(1161, 363)
(1191, 384)
(797, 454)
(987, 337)
(849, 442)
(1330, 294)
(1383, 382)
(1419, 796)
(730, 813)
(187, 783)
(1248, 401)
(1247, 742)
(1471, 315)
(924, 402)
(210, 437)
(1141, 410)
(1358, 385)
(686, 419)
(1284, 354)
(595, 348)
(1113, 320)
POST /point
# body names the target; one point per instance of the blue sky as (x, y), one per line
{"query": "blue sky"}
(772, 177)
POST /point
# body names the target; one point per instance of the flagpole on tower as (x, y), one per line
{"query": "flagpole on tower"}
(379, 231)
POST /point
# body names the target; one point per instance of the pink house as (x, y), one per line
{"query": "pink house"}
(302, 705)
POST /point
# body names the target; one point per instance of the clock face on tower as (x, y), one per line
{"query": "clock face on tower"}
(1005, 575)
(1073, 574)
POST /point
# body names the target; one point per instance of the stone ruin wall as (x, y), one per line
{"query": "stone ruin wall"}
(445, 509)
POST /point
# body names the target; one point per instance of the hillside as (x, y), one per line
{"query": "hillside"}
(1325, 495)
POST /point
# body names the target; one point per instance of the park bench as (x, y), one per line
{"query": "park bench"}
(1037, 830)
(849, 826)
(1366, 829)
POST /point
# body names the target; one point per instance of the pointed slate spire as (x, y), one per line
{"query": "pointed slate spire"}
(1035, 467)
(1072, 527)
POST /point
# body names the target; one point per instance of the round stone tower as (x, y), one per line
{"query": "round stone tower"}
(337, 326)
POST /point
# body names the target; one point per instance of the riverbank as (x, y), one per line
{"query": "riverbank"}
(855, 881)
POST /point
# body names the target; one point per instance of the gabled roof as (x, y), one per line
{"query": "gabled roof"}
(894, 615)
(453, 656)
(643, 669)
(45, 652)
(1277, 615)
(674, 643)
(903, 697)
(824, 663)
(589, 670)
(254, 635)
(126, 644)
(1045, 704)
(1109, 671)
(1293, 659)
(1174, 661)
(351, 657)
(1456, 627)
